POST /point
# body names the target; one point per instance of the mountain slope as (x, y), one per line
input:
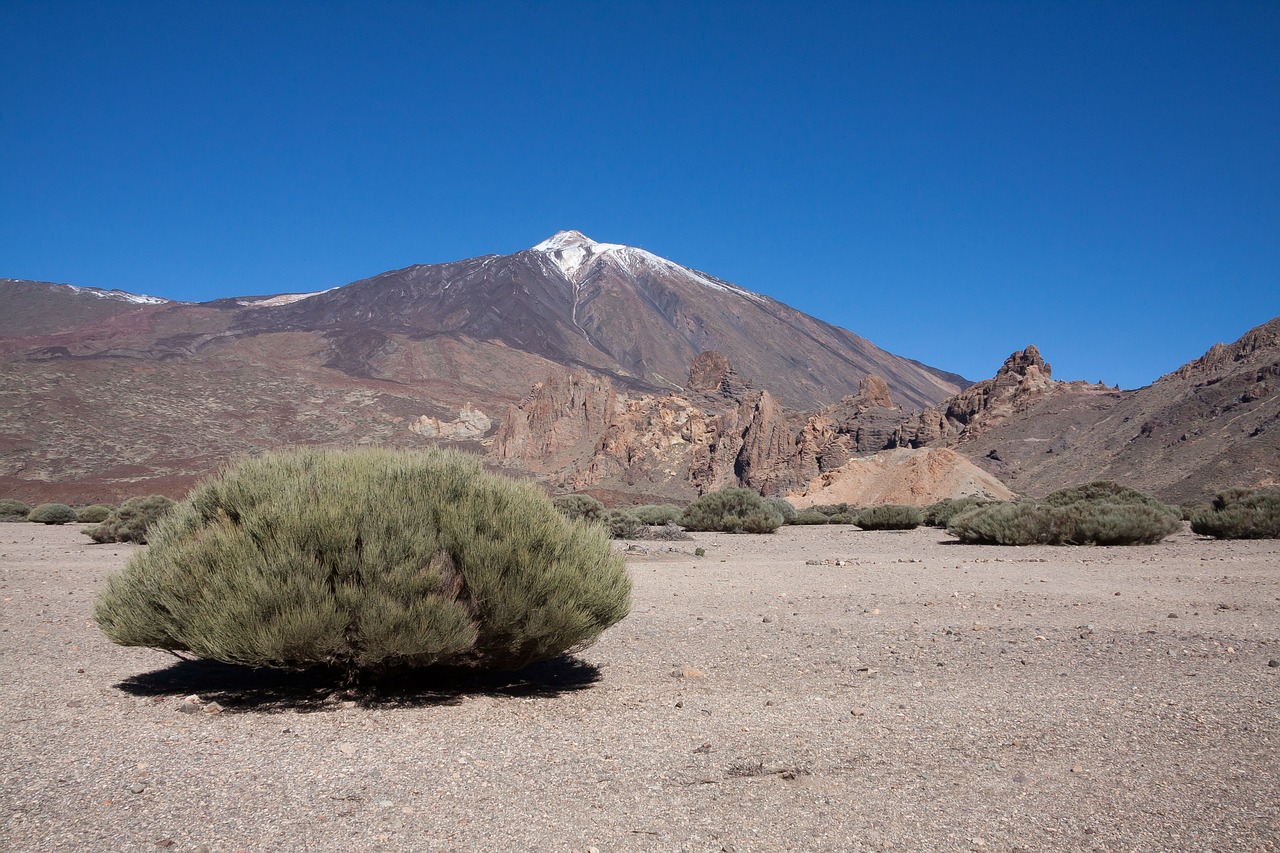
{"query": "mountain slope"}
(107, 395)
(608, 308)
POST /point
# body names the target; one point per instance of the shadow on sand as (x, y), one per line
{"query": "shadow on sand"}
(241, 688)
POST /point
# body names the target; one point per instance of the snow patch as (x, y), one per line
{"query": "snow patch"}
(123, 296)
(282, 299)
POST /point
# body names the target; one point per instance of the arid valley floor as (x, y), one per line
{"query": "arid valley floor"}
(900, 694)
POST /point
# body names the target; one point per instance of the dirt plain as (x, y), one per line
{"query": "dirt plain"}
(820, 689)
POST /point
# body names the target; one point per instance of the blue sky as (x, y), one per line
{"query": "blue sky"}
(953, 181)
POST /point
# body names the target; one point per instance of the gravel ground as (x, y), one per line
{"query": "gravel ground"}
(902, 693)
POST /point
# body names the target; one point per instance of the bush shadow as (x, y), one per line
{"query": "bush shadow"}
(246, 689)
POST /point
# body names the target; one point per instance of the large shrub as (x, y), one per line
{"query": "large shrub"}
(579, 506)
(657, 515)
(1085, 522)
(939, 514)
(12, 509)
(889, 517)
(1240, 514)
(52, 514)
(731, 510)
(1100, 490)
(782, 507)
(367, 560)
(131, 521)
(623, 523)
(94, 513)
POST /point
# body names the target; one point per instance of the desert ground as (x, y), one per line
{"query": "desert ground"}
(823, 688)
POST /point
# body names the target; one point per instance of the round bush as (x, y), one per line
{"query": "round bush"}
(731, 510)
(94, 514)
(782, 507)
(131, 521)
(52, 514)
(890, 517)
(624, 524)
(656, 515)
(367, 560)
(1240, 514)
(579, 506)
(12, 509)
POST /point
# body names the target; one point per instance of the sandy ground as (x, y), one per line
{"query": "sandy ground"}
(923, 696)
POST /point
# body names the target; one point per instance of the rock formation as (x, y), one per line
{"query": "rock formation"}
(913, 477)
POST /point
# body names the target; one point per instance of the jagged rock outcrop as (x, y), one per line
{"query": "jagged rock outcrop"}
(912, 477)
(560, 421)
(1023, 378)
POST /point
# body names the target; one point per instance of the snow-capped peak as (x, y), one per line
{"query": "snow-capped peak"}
(565, 240)
(572, 252)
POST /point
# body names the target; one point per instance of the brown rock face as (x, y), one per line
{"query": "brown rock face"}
(912, 477)
(708, 372)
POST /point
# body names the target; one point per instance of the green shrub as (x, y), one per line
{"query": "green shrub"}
(843, 518)
(624, 524)
(131, 521)
(1231, 497)
(52, 514)
(699, 552)
(940, 514)
(808, 516)
(366, 561)
(94, 514)
(1254, 515)
(833, 509)
(579, 506)
(657, 515)
(1100, 490)
(13, 510)
(1084, 522)
(782, 507)
(889, 517)
(731, 510)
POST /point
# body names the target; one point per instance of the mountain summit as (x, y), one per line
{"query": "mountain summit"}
(426, 353)
(607, 307)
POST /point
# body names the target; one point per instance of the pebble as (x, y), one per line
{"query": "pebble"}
(137, 788)
(1273, 663)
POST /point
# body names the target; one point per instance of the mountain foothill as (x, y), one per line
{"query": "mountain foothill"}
(591, 367)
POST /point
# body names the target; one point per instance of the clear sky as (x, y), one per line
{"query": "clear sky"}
(952, 180)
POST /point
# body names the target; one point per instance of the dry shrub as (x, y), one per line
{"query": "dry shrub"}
(889, 517)
(365, 561)
(1240, 514)
(731, 510)
(131, 521)
(94, 514)
(52, 514)
(1084, 522)
(12, 509)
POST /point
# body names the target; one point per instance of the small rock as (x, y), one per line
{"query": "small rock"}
(767, 619)
(813, 562)
(704, 749)
(213, 708)
(688, 672)
(1273, 663)
(1077, 769)
(858, 712)
(137, 788)
(1173, 615)
(188, 708)
(165, 842)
